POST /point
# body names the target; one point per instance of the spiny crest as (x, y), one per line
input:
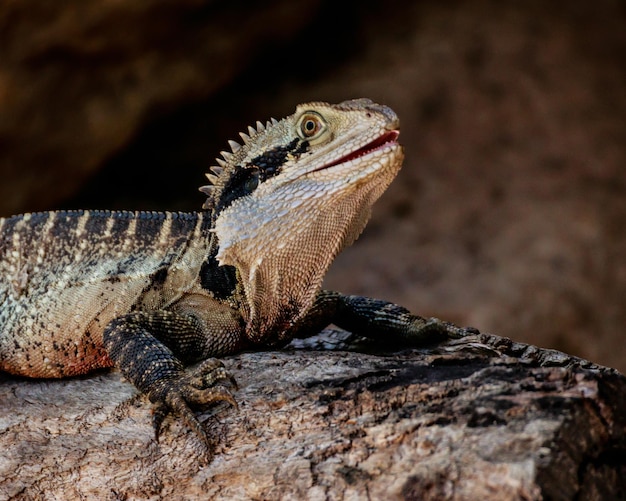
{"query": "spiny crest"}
(226, 160)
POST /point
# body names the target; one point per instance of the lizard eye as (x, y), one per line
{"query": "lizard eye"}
(311, 126)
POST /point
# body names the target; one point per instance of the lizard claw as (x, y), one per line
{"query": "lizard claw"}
(200, 386)
(456, 332)
(425, 330)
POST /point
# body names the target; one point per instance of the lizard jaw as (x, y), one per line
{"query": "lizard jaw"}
(389, 138)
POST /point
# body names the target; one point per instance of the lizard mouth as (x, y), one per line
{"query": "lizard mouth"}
(387, 138)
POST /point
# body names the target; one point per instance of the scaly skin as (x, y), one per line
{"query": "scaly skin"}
(154, 292)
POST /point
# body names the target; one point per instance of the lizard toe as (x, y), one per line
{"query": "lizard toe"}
(198, 387)
(208, 373)
(456, 332)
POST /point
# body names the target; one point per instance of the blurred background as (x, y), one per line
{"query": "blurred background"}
(509, 214)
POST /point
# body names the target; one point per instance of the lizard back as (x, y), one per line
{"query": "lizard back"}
(64, 275)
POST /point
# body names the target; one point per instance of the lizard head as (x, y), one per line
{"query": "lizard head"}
(296, 192)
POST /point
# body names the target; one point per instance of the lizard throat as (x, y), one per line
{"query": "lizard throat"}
(386, 139)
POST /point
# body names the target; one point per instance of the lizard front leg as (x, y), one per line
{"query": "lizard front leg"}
(375, 319)
(388, 322)
(151, 349)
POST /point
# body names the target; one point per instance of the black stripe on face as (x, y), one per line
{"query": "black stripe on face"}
(271, 162)
(243, 182)
(246, 179)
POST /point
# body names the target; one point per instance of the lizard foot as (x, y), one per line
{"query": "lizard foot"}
(200, 386)
(456, 332)
(432, 330)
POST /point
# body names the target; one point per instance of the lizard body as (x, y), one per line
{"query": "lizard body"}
(155, 292)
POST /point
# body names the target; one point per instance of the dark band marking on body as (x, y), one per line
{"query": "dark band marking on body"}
(221, 281)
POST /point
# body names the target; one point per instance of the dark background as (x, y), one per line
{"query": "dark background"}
(510, 211)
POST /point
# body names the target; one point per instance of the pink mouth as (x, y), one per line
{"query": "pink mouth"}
(378, 143)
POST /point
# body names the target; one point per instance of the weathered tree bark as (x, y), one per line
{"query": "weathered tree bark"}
(482, 418)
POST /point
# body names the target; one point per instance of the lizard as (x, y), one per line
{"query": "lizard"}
(163, 295)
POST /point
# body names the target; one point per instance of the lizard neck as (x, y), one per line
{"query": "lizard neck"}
(281, 261)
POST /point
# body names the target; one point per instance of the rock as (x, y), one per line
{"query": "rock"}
(478, 419)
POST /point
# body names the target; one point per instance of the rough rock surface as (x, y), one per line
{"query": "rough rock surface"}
(459, 422)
